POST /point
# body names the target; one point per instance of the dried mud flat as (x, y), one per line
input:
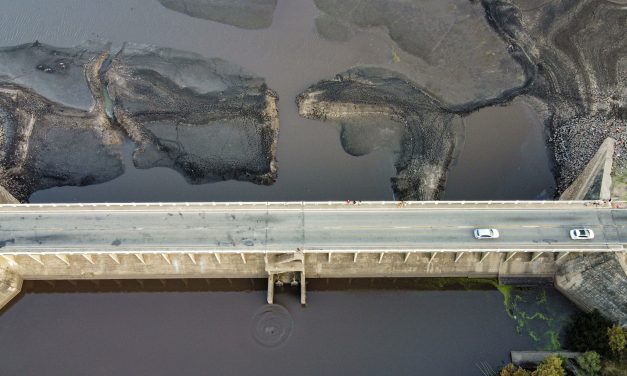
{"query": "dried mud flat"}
(566, 59)
(426, 142)
(53, 129)
(205, 118)
(246, 14)
(579, 52)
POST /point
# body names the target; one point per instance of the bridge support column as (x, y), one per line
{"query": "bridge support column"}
(535, 255)
(10, 286)
(270, 298)
(303, 289)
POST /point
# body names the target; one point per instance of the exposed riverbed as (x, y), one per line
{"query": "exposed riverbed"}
(290, 55)
(499, 152)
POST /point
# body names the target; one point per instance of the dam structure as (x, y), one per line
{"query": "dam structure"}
(289, 241)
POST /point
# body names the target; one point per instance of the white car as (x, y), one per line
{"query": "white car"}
(486, 233)
(581, 234)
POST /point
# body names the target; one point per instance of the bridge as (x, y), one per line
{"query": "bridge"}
(291, 239)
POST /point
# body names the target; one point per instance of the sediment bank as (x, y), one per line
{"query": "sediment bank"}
(65, 112)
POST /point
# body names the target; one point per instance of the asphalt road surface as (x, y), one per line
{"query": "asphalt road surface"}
(254, 229)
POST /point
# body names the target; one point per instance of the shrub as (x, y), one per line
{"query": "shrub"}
(550, 366)
(512, 370)
(588, 364)
(588, 332)
(616, 339)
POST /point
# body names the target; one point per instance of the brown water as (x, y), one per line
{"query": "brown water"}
(492, 167)
(291, 56)
(208, 332)
(355, 332)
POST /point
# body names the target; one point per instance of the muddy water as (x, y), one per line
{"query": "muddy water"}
(290, 55)
(491, 166)
(230, 333)
(396, 332)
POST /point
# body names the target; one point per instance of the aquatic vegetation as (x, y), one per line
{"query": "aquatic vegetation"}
(553, 342)
(395, 57)
(536, 319)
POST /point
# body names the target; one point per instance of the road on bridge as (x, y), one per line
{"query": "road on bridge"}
(340, 228)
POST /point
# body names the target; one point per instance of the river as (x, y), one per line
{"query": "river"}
(291, 56)
(358, 331)
(361, 331)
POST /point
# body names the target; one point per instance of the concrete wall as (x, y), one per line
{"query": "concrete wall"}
(258, 265)
(595, 181)
(253, 265)
(6, 197)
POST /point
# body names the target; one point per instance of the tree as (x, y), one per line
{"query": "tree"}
(512, 370)
(588, 332)
(616, 339)
(588, 364)
(550, 366)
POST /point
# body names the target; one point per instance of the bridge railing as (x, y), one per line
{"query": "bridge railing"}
(317, 203)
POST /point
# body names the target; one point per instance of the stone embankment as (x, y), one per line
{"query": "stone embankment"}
(597, 281)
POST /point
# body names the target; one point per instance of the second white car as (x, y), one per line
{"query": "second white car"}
(486, 233)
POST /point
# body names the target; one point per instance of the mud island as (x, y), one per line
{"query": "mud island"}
(426, 139)
(568, 61)
(65, 113)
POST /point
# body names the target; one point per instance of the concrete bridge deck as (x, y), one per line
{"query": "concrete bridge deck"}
(310, 227)
(290, 240)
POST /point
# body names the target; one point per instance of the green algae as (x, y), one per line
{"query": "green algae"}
(529, 308)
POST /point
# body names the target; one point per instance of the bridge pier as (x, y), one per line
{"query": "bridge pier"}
(10, 285)
(270, 298)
